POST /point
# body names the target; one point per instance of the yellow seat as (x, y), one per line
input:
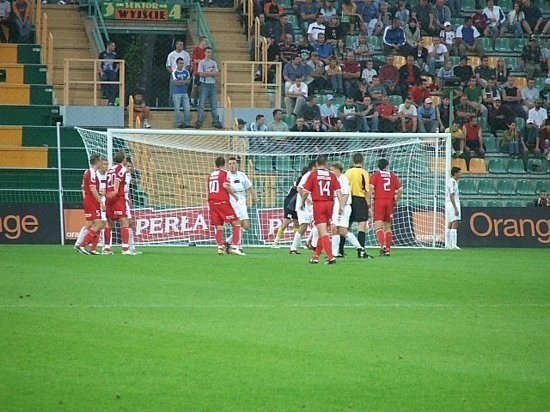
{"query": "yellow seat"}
(460, 163)
(474, 61)
(426, 41)
(478, 166)
(521, 82)
(436, 100)
(399, 61)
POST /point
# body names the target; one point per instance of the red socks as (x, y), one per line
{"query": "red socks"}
(125, 233)
(236, 235)
(381, 236)
(219, 237)
(388, 240)
(90, 237)
(327, 245)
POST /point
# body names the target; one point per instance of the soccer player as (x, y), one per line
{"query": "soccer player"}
(323, 186)
(360, 198)
(130, 171)
(221, 211)
(340, 221)
(240, 184)
(92, 206)
(387, 190)
(289, 208)
(452, 208)
(304, 210)
(117, 207)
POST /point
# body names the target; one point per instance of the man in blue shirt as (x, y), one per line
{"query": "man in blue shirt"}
(180, 80)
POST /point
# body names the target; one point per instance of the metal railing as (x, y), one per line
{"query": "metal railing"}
(68, 82)
(131, 120)
(99, 30)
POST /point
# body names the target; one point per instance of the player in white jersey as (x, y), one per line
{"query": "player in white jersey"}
(304, 211)
(452, 208)
(340, 222)
(241, 184)
(130, 172)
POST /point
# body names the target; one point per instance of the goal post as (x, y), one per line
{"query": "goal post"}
(169, 192)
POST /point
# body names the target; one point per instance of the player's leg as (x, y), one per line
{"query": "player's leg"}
(108, 237)
(281, 230)
(125, 231)
(388, 236)
(82, 233)
(93, 246)
(302, 227)
(453, 234)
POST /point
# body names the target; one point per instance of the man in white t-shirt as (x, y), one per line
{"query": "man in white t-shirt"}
(452, 208)
(437, 54)
(408, 116)
(296, 97)
(171, 62)
(315, 28)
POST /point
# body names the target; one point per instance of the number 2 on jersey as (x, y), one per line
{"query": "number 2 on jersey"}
(387, 182)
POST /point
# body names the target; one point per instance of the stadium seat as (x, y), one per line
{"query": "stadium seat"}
(473, 203)
(497, 166)
(460, 162)
(467, 186)
(515, 203)
(519, 43)
(436, 100)
(505, 5)
(286, 4)
(506, 187)
(467, 6)
(375, 42)
(514, 64)
(263, 164)
(486, 187)
(478, 166)
(520, 123)
(539, 82)
(289, 119)
(474, 61)
(398, 61)
(427, 41)
(437, 165)
(503, 44)
(293, 19)
(284, 163)
(484, 124)
(542, 185)
(321, 99)
(491, 144)
(395, 99)
(339, 100)
(456, 21)
(454, 60)
(536, 166)
(487, 44)
(521, 82)
(494, 203)
(515, 166)
(525, 187)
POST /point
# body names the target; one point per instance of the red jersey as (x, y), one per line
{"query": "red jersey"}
(385, 184)
(198, 55)
(217, 182)
(322, 184)
(116, 172)
(88, 180)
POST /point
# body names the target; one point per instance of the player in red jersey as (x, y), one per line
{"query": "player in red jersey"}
(324, 187)
(93, 205)
(221, 211)
(116, 201)
(387, 191)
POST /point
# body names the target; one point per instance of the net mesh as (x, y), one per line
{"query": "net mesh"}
(170, 192)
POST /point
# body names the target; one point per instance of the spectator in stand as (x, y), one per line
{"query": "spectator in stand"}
(499, 116)
(545, 94)
(421, 57)
(328, 10)
(511, 97)
(272, 12)
(403, 13)
(341, 51)
(141, 110)
(545, 51)
(351, 117)
(323, 50)
(513, 22)
(385, 19)
(288, 50)
(501, 71)
(308, 13)
(467, 38)
(528, 96)
(412, 36)
(458, 140)
(198, 55)
(530, 142)
(544, 139)
(108, 71)
(387, 116)
(408, 116)
(538, 114)
(277, 125)
(21, 17)
(424, 13)
(377, 90)
(454, 5)
(329, 112)
(420, 93)
(444, 113)
(180, 83)
(490, 93)
(533, 22)
(473, 92)
(463, 71)
(464, 111)
(317, 126)
(542, 200)
(296, 97)
(334, 31)
(369, 14)
(334, 73)
(305, 49)
(442, 14)
(5, 21)
(409, 76)
(368, 73)
(449, 38)
(363, 51)
(349, 16)
(437, 54)
(351, 72)
(370, 115)
(484, 72)
(293, 71)
(316, 79)
(394, 38)
(389, 75)
(495, 18)
(474, 146)
(315, 28)
(208, 72)
(531, 57)
(479, 21)
(283, 29)
(300, 126)
(427, 118)
(446, 72)
(310, 111)
(509, 143)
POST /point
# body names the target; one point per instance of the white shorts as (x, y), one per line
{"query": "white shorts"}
(103, 212)
(450, 212)
(305, 216)
(239, 206)
(128, 213)
(343, 219)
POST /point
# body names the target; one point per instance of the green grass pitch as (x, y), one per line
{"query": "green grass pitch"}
(182, 329)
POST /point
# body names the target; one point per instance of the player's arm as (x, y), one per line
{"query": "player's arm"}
(253, 194)
(96, 196)
(342, 199)
(116, 186)
(398, 194)
(230, 190)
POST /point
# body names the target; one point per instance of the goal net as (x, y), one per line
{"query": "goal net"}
(169, 191)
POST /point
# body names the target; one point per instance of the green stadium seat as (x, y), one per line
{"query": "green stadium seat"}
(473, 203)
(263, 164)
(351, 40)
(467, 6)
(503, 44)
(491, 144)
(395, 99)
(284, 164)
(516, 166)
(339, 100)
(484, 124)
(487, 44)
(455, 60)
(289, 119)
(543, 184)
(494, 203)
(293, 19)
(514, 64)
(375, 42)
(456, 21)
(497, 166)
(520, 123)
(536, 166)
(486, 187)
(506, 5)
(525, 187)
(467, 187)
(539, 82)
(515, 203)
(506, 187)
(519, 43)
(286, 4)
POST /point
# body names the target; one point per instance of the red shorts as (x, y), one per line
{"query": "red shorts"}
(221, 212)
(322, 211)
(383, 210)
(116, 208)
(92, 209)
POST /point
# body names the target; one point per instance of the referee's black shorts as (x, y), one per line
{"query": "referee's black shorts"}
(359, 209)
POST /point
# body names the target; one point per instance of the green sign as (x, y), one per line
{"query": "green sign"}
(141, 11)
